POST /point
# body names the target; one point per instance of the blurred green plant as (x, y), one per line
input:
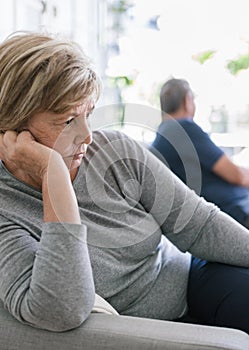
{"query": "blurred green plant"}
(203, 56)
(119, 10)
(120, 83)
(241, 63)
(120, 6)
(234, 66)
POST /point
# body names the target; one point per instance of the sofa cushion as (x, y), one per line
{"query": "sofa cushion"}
(109, 332)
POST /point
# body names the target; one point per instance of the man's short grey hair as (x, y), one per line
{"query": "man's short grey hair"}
(172, 94)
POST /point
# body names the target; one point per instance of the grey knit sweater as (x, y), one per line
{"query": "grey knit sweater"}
(138, 224)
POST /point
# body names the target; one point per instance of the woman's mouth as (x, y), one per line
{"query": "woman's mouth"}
(79, 155)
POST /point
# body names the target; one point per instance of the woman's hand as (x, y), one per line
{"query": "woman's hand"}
(25, 158)
(43, 168)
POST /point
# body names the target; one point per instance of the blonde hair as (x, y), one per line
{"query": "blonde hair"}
(39, 73)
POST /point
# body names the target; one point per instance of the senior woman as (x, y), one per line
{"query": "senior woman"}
(82, 212)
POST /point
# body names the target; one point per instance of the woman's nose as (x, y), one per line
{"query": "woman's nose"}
(84, 134)
(88, 139)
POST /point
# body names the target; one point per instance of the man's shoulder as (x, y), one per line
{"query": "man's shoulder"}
(192, 128)
(188, 122)
(177, 126)
(184, 122)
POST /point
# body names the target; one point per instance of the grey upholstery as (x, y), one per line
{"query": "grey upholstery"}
(103, 331)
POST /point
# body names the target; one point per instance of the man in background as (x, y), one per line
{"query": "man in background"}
(190, 153)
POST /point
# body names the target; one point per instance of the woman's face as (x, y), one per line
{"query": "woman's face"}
(69, 134)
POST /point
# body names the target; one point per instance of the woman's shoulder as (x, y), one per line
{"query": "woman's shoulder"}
(107, 135)
(112, 142)
(114, 138)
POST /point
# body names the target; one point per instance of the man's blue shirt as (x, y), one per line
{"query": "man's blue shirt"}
(191, 154)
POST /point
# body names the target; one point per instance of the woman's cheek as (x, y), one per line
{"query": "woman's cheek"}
(62, 144)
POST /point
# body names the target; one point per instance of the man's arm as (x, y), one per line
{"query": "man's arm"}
(230, 172)
(214, 159)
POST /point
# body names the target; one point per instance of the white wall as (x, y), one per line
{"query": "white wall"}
(79, 20)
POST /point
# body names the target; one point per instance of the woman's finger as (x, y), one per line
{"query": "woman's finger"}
(9, 138)
(1, 146)
(1, 139)
(25, 136)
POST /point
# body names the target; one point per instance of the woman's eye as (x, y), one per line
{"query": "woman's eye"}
(69, 121)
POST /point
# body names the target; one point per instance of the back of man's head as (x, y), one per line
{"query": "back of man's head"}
(172, 95)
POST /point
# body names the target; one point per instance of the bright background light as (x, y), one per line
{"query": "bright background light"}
(182, 30)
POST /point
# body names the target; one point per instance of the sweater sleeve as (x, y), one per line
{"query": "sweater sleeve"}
(46, 284)
(187, 220)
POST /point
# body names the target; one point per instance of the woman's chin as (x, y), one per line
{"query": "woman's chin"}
(75, 163)
(73, 169)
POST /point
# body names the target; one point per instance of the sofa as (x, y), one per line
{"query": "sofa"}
(109, 331)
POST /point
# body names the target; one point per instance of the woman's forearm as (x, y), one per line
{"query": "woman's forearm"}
(59, 200)
(223, 240)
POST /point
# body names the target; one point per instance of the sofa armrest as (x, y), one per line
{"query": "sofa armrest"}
(107, 332)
